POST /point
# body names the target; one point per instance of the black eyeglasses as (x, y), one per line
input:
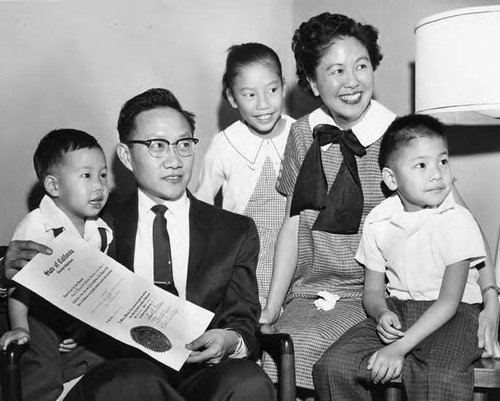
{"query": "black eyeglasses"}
(158, 147)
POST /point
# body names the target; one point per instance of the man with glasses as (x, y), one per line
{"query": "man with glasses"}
(208, 256)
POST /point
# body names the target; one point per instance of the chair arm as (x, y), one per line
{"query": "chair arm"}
(280, 347)
(11, 387)
(276, 344)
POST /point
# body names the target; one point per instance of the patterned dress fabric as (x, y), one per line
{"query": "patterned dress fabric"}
(325, 261)
(267, 208)
(245, 166)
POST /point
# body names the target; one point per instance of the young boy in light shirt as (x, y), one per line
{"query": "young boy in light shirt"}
(71, 166)
(421, 249)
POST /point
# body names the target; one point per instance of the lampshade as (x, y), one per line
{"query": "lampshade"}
(457, 70)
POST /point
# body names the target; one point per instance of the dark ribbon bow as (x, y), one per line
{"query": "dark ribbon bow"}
(340, 208)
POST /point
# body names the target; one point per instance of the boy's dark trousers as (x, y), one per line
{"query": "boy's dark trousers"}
(44, 369)
(438, 369)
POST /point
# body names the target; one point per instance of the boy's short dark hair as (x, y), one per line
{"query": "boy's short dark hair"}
(151, 99)
(58, 143)
(403, 130)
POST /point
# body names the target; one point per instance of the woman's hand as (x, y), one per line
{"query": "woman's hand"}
(268, 316)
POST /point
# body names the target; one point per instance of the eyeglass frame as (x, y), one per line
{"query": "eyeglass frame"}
(148, 143)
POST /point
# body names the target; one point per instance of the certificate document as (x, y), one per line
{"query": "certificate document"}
(99, 291)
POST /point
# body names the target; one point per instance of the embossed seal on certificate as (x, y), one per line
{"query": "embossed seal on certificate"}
(150, 338)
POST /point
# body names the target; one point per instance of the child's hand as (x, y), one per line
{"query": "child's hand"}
(385, 364)
(68, 345)
(389, 327)
(76, 333)
(19, 334)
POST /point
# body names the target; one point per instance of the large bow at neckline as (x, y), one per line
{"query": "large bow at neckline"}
(341, 207)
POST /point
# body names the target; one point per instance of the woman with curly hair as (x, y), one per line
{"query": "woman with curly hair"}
(331, 179)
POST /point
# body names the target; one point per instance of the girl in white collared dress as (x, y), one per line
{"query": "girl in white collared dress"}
(245, 158)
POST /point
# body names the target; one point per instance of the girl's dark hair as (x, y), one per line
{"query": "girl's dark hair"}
(403, 130)
(56, 144)
(238, 56)
(313, 38)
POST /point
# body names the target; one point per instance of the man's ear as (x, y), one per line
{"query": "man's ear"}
(389, 178)
(51, 185)
(314, 87)
(123, 153)
(230, 98)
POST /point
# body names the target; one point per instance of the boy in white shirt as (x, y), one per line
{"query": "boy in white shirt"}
(421, 249)
(71, 166)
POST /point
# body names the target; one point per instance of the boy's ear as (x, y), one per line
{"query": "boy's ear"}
(230, 98)
(313, 86)
(51, 185)
(123, 153)
(389, 178)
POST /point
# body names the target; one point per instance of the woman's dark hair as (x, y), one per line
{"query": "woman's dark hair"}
(313, 38)
(239, 56)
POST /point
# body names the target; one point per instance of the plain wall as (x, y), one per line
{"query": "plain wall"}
(72, 63)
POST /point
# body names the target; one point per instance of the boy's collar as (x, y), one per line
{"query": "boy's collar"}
(392, 210)
(54, 218)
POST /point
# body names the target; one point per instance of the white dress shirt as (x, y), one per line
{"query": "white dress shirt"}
(177, 216)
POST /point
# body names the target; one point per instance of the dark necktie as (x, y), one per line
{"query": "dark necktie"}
(163, 276)
(341, 207)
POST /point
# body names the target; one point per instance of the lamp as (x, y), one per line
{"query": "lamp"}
(457, 71)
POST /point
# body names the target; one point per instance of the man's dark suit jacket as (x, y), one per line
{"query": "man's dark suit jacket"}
(223, 255)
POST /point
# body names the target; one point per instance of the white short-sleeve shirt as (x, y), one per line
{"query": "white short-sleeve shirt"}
(414, 248)
(39, 226)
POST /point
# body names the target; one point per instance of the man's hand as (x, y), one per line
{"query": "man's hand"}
(487, 333)
(389, 327)
(213, 346)
(385, 364)
(19, 253)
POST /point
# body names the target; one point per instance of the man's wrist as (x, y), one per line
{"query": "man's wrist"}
(239, 350)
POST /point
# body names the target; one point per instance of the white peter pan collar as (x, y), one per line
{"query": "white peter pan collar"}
(371, 127)
(249, 145)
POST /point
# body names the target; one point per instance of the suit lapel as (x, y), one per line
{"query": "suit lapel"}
(125, 218)
(200, 222)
